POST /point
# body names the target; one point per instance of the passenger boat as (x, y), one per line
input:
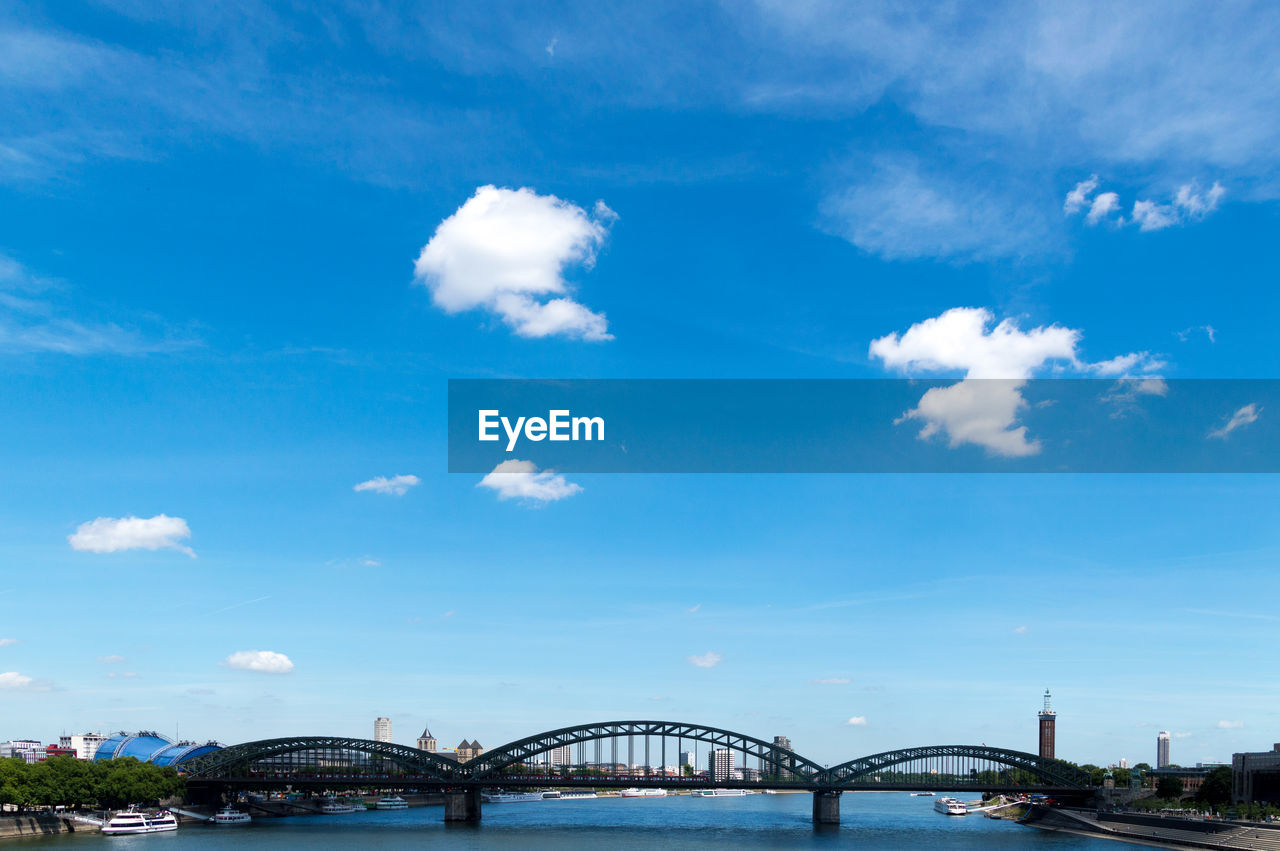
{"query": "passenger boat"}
(132, 821)
(950, 807)
(230, 815)
(391, 802)
(333, 807)
(550, 794)
(575, 794)
(501, 797)
(643, 793)
(718, 793)
(922, 794)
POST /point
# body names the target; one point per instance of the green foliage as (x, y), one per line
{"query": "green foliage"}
(1169, 787)
(1216, 788)
(66, 781)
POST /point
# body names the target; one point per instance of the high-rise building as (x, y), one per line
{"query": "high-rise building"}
(1048, 718)
(720, 764)
(382, 729)
(782, 755)
(1124, 763)
(427, 742)
(562, 755)
(686, 758)
(1162, 749)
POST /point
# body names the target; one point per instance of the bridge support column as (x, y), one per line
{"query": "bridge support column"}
(462, 805)
(826, 807)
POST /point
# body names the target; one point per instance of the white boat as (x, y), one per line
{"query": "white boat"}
(577, 794)
(922, 794)
(391, 802)
(230, 815)
(501, 797)
(550, 794)
(332, 807)
(643, 793)
(719, 793)
(950, 807)
(132, 821)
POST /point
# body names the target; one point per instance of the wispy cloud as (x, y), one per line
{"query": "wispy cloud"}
(706, 660)
(391, 486)
(111, 660)
(832, 681)
(1242, 417)
(6, 642)
(238, 605)
(1230, 725)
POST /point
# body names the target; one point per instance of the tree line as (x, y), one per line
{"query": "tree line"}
(70, 782)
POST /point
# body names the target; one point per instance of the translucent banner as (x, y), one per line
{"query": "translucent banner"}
(1145, 425)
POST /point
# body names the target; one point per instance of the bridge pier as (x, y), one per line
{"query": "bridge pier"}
(826, 806)
(462, 805)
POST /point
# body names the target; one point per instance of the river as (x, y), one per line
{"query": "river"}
(871, 822)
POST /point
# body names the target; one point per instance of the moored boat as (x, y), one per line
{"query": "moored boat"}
(391, 802)
(950, 807)
(133, 822)
(643, 793)
(501, 797)
(718, 793)
(230, 815)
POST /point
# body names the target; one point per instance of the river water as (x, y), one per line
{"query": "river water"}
(869, 821)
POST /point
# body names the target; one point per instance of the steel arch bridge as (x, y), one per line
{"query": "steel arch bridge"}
(330, 762)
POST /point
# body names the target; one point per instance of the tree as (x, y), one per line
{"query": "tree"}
(1216, 788)
(1169, 787)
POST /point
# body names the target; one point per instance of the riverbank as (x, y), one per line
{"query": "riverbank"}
(43, 824)
(1156, 831)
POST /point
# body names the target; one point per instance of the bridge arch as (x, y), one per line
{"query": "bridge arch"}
(494, 762)
(237, 760)
(1048, 772)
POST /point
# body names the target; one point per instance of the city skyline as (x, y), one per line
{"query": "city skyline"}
(243, 251)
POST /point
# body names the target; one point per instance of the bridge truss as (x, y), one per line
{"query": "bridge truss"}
(626, 753)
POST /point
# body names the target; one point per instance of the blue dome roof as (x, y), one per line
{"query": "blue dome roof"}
(151, 747)
(181, 752)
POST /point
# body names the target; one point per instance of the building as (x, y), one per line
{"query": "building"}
(27, 750)
(686, 758)
(1256, 776)
(85, 745)
(382, 730)
(57, 750)
(1192, 778)
(1124, 763)
(468, 750)
(720, 764)
(1048, 721)
(1162, 749)
(783, 756)
(147, 746)
(427, 742)
(562, 755)
(748, 775)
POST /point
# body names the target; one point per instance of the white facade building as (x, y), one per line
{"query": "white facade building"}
(382, 730)
(28, 750)
(85, 745)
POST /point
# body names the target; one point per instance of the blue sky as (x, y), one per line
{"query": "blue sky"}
(214, 311)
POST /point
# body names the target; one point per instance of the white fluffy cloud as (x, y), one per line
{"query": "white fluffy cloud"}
(12, 679)
(984, 412)
(1189, 204)
(1241, 418)
(506, 250)
(393, 486)
(113, 534)
(856, 721)
(262, 661)
(521, 480)
(706, 660)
